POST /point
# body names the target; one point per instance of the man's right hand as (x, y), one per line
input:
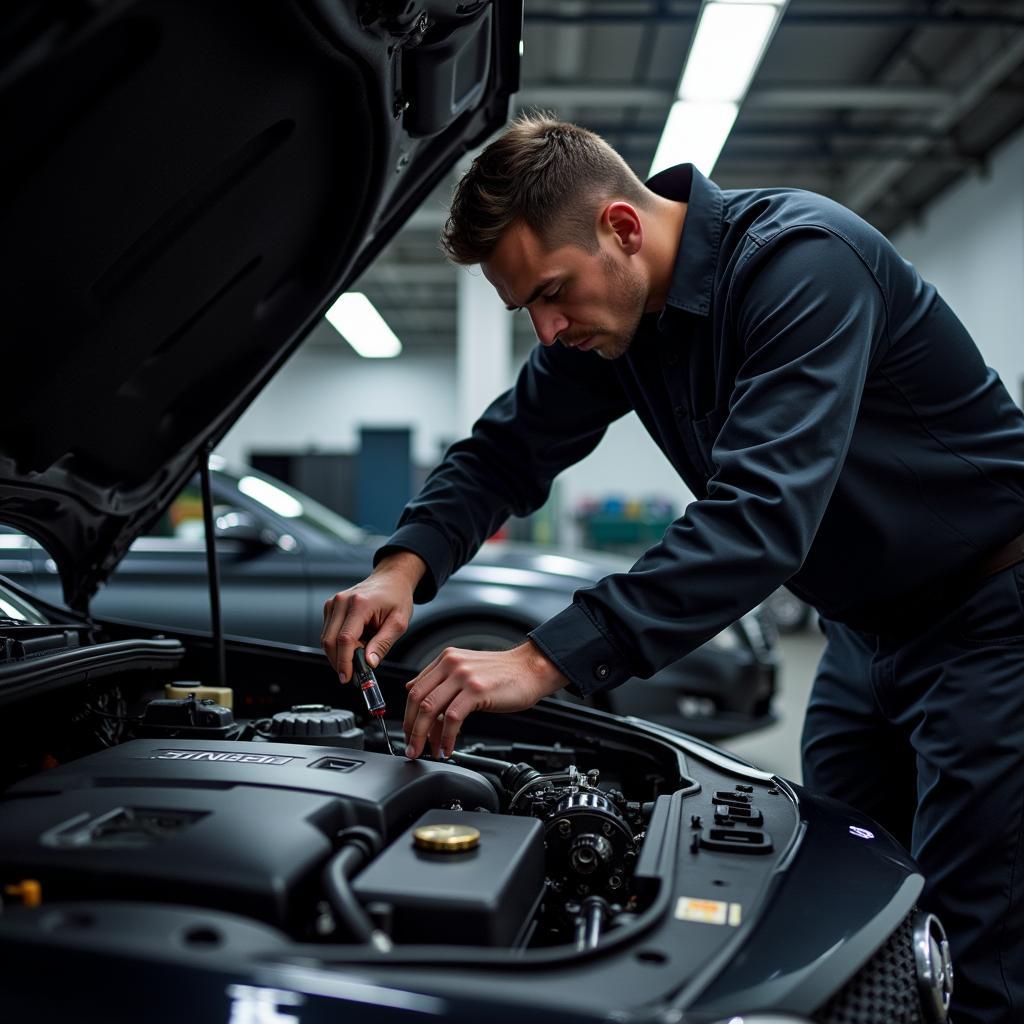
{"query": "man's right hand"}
(374, 613)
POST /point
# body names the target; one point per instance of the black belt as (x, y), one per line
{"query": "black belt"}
(1009, 554)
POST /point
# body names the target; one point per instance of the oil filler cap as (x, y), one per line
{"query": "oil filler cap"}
(447, 838)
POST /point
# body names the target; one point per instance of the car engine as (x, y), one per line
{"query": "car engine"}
(293, 822)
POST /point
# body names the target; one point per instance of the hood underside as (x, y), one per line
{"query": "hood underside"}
(186, 189)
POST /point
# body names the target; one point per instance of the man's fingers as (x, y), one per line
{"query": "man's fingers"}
(390, 631)
(349, 636)
(334, 615)
(423, 671)
(418, 687)
(431, 705)
(455, 714)
(434, 736)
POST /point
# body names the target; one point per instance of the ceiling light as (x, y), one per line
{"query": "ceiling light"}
(354, 317)
(727, 49)
(728, 46)
(694, 133)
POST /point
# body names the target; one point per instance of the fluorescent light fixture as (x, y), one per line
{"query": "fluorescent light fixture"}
(727, 49)
(354, 317)
(728, 46)
(694, 133)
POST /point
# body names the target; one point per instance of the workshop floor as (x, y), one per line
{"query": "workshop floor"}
(777, 748)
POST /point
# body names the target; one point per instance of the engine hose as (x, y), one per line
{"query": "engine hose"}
(358, 845)
(590, 923)
(506, 777)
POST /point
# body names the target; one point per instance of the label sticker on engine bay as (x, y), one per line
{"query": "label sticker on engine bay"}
(220, 755)
(689, 908)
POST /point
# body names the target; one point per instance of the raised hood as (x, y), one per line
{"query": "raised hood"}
(186, 187)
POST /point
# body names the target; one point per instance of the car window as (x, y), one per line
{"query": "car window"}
(183, 519)
(16, 608)
(289, 503)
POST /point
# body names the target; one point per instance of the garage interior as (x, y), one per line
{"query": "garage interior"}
(236, 352)
(911, 113)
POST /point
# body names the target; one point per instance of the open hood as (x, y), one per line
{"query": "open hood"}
(186, 187)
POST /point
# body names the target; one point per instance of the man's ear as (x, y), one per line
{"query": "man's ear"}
(623, 221)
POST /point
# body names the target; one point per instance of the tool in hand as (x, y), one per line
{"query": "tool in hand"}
(371, 694)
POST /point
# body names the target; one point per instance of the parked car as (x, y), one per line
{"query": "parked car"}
(186, 188)
(282, 554)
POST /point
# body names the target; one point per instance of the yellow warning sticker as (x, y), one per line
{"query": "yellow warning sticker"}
(689, 908)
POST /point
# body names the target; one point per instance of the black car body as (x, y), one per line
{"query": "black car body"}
(281, 554)
(186, 188)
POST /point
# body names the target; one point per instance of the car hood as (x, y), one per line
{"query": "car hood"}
(186, 189)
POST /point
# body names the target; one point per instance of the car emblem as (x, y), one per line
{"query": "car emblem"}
(934, 967)
(861, 833)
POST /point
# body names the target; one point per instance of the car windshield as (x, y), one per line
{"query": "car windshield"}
(283, 501)
(16, 608)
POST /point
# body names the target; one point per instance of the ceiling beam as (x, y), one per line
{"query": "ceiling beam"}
(848, 97)
(866, 190)
(827, 16)
(809, 97)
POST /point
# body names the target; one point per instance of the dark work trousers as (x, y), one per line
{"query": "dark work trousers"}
(925, 733)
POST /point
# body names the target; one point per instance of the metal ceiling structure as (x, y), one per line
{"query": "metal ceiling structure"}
(880, 105)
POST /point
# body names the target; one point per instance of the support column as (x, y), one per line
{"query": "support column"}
(483, 356)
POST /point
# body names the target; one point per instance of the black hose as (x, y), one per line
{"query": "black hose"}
(506, 777)
(478, 763)
(358, 845)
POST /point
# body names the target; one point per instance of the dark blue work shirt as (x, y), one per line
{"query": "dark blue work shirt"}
(831, 414)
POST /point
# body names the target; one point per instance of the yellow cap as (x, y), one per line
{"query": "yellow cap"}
(30, 891)
(447, 838)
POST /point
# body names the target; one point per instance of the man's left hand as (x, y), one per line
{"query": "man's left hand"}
(458, 682)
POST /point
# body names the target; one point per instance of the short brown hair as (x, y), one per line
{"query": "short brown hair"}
(546, 173)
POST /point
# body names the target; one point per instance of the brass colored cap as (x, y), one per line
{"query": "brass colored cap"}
(447, 838)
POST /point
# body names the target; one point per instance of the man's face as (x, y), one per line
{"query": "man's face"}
(582, 300)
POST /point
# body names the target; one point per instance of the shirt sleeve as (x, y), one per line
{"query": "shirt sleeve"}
(555, 415)
(808, 315)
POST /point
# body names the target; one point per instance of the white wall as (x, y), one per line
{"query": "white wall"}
(321, 397)
(970, 245)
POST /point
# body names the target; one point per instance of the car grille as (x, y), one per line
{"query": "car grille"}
(885, 988)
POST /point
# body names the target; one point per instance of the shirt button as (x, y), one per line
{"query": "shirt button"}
(602, 671)
(671, 358)
(681, 412)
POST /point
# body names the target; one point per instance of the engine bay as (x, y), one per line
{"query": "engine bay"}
(562, 854)
(303, 822)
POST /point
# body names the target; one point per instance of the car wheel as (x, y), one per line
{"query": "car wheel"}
(472, 635)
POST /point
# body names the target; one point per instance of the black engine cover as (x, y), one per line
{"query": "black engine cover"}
(235, 826)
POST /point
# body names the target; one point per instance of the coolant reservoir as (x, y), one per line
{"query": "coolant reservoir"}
(223, 695)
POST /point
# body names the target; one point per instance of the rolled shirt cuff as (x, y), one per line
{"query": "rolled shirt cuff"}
(581, 651)
(431, 545)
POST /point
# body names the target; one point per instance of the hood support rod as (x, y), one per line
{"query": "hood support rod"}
(212, 571)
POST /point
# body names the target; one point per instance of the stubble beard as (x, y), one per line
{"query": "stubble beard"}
(631, 297)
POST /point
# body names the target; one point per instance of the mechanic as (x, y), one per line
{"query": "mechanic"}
(842, 435)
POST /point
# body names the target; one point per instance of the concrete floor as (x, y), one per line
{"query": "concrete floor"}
(777, 748)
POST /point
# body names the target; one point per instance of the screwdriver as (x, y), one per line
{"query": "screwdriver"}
(371, 694)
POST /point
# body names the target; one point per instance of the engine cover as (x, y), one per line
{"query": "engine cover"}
(234, 826)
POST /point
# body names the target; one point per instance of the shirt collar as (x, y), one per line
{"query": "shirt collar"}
(693, 276)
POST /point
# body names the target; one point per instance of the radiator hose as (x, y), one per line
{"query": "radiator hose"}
(357, 847)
